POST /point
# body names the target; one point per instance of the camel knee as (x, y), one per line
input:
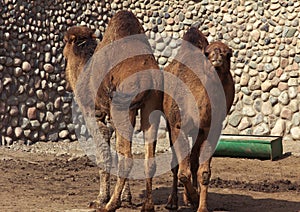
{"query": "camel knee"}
(184, 175)
(204, 176)
(184, 172)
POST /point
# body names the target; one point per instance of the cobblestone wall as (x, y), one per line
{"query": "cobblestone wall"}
(264, 34)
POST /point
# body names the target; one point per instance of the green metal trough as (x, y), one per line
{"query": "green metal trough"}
(248, 146)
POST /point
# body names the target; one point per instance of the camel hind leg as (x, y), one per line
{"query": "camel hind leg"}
(182, 150)
(172, 203)
(124, 166)
(123, 147)
(104, 172)
(182, 154)
(150, 118)
(198, 138)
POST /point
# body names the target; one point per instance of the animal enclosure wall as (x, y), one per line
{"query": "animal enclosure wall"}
(265, 36)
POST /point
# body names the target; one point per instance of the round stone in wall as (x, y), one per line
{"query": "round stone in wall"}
(26, 66)
(48, 68)
(295, 132)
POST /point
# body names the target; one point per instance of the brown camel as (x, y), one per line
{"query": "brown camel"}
(113, 80)
(207, 85)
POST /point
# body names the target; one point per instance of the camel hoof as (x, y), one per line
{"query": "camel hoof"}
(193, 203)
(99, 202)
(171, 206)
(127, 204)
(172, 203)
(188, 204)
(186, 200)
(148, 209)
(148, 206)
(94, 204)
(101, 210)
(127, 199)
(202, 210)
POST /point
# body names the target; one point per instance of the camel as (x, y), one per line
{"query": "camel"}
(121, 75)
(212, 81)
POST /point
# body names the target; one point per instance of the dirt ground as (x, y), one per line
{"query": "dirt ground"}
(35, 181)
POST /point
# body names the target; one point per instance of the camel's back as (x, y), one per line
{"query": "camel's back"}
(126, 55)
(125, 36)
(121, 25)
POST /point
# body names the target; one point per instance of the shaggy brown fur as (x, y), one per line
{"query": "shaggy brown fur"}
(201, 174)
(219, 55)
(80, 42)
(122, 25)
(196, 38)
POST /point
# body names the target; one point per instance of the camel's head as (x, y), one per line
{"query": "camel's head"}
(80, 41)
(218, 54)
(80, 44)
(195, 37)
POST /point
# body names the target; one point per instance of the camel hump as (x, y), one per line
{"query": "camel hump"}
(123, 23)
(195, 37)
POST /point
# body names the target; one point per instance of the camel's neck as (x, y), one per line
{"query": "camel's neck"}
(73, 70)
(224, 70)
(227, 83)
(77, 60)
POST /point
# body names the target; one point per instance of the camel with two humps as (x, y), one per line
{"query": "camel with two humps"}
(205, 69)
(110, 82)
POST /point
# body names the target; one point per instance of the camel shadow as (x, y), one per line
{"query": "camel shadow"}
(228, 202)
(246, 203)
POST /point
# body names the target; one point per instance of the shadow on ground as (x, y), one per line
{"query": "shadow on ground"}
(229, 202)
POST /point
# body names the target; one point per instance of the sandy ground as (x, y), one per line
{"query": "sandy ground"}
(58, 177)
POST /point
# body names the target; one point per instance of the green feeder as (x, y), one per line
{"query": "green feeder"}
(248, 146)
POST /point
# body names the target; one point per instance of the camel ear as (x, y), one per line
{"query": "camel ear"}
(75, 39)
(69, 38)
(72, 39)
(229, 53)
(206, 53)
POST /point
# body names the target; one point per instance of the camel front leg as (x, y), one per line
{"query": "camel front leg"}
(150, 168)
(203, 174)
(104, 190)
(105, 165)
(172, 203)
(204, 171)
(124, 166)
(124, 128)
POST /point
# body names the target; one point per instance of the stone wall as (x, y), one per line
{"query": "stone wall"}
(264, 34)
